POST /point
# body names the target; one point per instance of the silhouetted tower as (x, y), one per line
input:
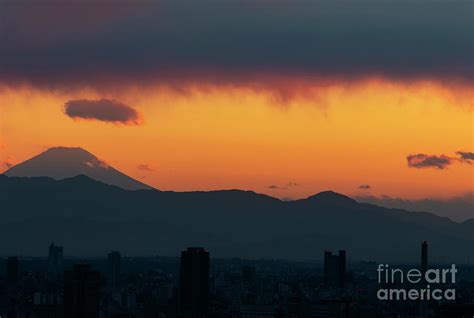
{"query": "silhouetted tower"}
(424, 268)
(194, 283)
(55, 262)
(12, 270)
(114, 260)
(81, 292)
(335, 269)
(248, 274)
(424, 257)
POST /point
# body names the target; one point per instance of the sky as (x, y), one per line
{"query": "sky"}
(368, 98)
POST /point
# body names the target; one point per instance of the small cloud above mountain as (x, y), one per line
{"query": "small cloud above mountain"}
(145, 167)
(7, 164)
(365, 187)
(105, 110)
(285, 186)
(275, 187)
(96, 163)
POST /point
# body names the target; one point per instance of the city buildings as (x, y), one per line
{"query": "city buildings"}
(113, 269)
(55, 262)
(187, 285)
(335, 269)
(12, 272)
(194, 283)
(81, 292)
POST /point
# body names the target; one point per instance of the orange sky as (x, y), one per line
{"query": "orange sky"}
(321, 136)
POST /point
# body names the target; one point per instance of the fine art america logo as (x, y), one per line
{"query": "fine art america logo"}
(423, 285)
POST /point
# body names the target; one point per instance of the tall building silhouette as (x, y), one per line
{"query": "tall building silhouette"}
(12, 268)
(194, 283)
(81, 292)
(55, 262)
(335, 269)
(248, 274)
(424, 257)
(424, 268)
(114, 260)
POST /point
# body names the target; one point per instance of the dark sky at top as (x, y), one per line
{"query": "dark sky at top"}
(67, 42)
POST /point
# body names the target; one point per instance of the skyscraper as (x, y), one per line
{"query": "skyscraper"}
(81, 292)
(55, 262)
(335, 269)
(113, 269)
(194, 283)
(424, 268)
(248, 274)
(424, 257)
(12, 270)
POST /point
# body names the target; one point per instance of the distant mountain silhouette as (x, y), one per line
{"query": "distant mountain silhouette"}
(63, 162)
(90, 217)
(459, 208)
(329, 198)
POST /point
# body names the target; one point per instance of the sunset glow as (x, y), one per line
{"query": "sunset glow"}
(279, 97)
(290, 143)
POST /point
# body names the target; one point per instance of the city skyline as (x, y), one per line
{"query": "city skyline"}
(196, 285)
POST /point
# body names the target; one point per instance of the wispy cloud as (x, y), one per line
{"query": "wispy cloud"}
(285, 186)
(8, 162)
(466, 156)
(145, 167)
(96, 163)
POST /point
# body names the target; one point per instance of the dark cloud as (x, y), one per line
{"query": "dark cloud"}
(365, 187)
(458, 208)
(144, 167)
(465, 156)
(429, 161)
(104, 110)
(175, 40)
(438, 161)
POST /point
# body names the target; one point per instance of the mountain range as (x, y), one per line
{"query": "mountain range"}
(90, 217)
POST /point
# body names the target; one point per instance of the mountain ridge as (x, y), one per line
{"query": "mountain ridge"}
(228, 222)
